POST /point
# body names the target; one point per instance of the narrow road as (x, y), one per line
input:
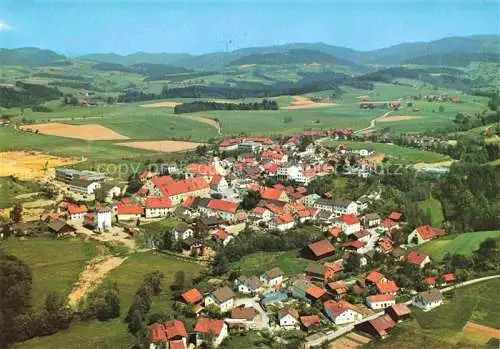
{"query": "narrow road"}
(373, 122)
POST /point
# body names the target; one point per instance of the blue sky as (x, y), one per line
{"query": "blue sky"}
(77, 27)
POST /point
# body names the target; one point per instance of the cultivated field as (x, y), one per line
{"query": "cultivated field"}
(165, 104)
(161, 146)
(390, 118)
(88, 132)
(463, 244)
(30, 165)
(301, 102)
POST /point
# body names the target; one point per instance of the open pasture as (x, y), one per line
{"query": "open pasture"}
(88, 132)
(161, 146)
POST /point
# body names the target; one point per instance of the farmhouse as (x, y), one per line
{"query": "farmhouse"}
(177, 191)
(380, 301)
(182, 232)
(342, 312)
(379, 327)
(338, 289)
(226, 210)
(318, 250)
(158, 207)
(283, 222)
(349, 223)
(206, 328)
(171, 335)
(248, 285)
(419, 260)
(61, 228)
(128, 212)
(309, 321)
(76, 211)
(428, 300)
(222, 298)
(248, 317)
(423, 234)
(398, 312)
(288, 318)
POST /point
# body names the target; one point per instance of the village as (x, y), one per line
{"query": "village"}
(217, 199)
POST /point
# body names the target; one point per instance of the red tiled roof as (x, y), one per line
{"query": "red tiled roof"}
(349, 219)
(416, 258)
(337, 308)
(231, 141)
(284, 219)
(271, 167)
(375, 277)
(316, 292)
(428, 232)
(222, 234)
(272, 155)
(157, 333)
(175, 328)
(266, 141)
(206, 325)
(355, 244)
(388, 223)
(177, 344)
(308, 321)
(387, 287)
(430, 280)
(361, 234)
(270, 193)
(386, 244)
(216, 180)
(259, 210)
(381, 298)
(162, 181)
(223, 205)
(308, 212)
(395, 216)
(383, 325)
(274, 209)
(188, 202)
(129, 209)
(74, 209)
(450, 277)
(338, 286)
(192, 296)
(400, 309)
(154, 202)
(184, 186)
(321, 247)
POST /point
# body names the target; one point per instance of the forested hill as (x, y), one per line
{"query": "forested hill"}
(296, 56)
(29, 57)
(456, 59)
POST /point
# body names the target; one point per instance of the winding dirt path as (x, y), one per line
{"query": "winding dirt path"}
(211, 122)
(92, 276)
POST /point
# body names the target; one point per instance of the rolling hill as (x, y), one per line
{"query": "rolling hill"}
(456, 59)
(295, 56)
(29, 57)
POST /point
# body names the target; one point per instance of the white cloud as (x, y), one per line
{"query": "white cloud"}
(5, 27)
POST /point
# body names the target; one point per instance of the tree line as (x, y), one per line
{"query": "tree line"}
(25, 95)
(193, 107)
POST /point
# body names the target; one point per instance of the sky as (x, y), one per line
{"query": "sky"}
(75, 27)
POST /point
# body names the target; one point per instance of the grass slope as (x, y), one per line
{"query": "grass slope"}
(433, 207)
(259, 262)
(113, 334)
(463, 244)
(56, 264)
(10, 188)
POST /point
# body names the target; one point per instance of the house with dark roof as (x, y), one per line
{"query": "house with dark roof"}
(248, 285)
(222, 298)
(273, 277)
(428, 300)
(398, 312)
(379, 327)
(318, 250)
(371, 220)
(249, 317)
(61, 228)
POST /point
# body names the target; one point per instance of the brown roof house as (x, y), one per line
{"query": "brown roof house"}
(288, 318)
(398, 312)
(318, 250)
(61, 228)
(428, 300)
(222, 298)
(379, 327)
(248, 285)
(273, 277)
(248, 317)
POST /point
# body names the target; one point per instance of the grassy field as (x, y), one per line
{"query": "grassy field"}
(10, 189)
(433, 207)
(56, 264)
(463, 244)
(113, 334)
(259, 262)
(442, 327)
(407, 155)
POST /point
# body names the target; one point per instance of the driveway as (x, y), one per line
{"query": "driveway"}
(254, 302)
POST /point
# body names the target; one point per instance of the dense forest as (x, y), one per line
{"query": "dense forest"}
(293, 56)
(24, 95)
(151, 70)
(193, 107)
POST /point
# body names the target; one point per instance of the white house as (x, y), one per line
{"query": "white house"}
(380, 301)
(283, 222)
(128, 212)
(104, 217)
(182, 232)
(219, 183)
(309, 200)
(210, 328)
(419, 260)
(349, 224)
(261, 213)
(423, 234)
(428, 300)
(248, 285)
(342, 312)
(222, 298)
(345, 207)
(77, 211)
(272, 277)
(158, 207)
(288, 318)
(226, 210)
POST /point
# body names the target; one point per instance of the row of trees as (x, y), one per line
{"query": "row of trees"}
(193, 107)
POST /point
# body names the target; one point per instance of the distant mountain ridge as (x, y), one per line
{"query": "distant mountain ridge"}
(454, 59)
(472, 46)
(292, 56)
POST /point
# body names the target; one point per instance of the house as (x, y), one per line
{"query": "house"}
(248, 285)
(318, 250)
(249, 317)
(273, 194)
(177, 191)
(375, 277)
(423, 234)
(100, 220)
(261, 213)
(428, 300)
(128, 212)
(395, 216)
(206, 328)
(283, 222)
(158, 207)
(309, 322)
(309, 200)
(182, 232)
(273, 277)
(335, 232)
(61, 228)
(430, 281)
(379, 327)
(192, 296)
(355, 246)
(338, 289)
(449, 278)
(288, 318)
(172, 335)
(387, 287)
(345, 207)
(218, 183)
(77, 211)
(398, 312)
(380, 301)
(315, 271)
(342, 312)
(222, 298)
(224, 209)
(349, 223)
(222, 236)
(418, 259)
(363, 235)
(371, 220)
